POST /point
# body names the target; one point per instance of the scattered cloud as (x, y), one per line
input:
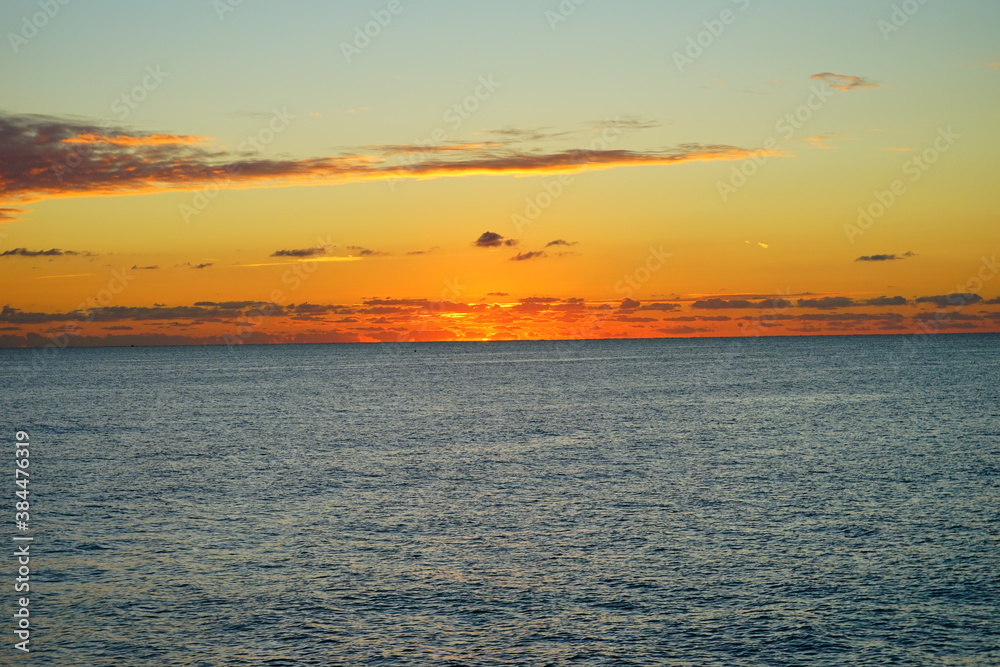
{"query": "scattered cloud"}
(366, 252)
(844, 81)
(827, 302)
(885, 258)
(152, 267)
(300, 252)
(886, 301)
(715, 304)
(954, 299)
(52, 252)
(629, 304)
(9, 214)
(189, 265)
(560, 242)
(493, 240)
(660, 306)
(522, 256)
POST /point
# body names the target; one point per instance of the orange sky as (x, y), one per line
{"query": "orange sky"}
(183, 185)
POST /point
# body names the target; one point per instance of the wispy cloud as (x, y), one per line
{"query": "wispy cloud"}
(299, 252)
(522, 256)
(844, 81)
(51, 252)
(8, 214)
(47, 156)
(885, 257)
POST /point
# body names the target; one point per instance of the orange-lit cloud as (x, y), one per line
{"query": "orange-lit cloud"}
(844, 81)
(43, 156)
(414, 319)
(132, 140)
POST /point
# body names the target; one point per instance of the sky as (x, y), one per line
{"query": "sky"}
(242, 171)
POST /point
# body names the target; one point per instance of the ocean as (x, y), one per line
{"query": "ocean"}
(769, 501)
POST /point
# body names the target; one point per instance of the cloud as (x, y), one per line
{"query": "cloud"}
(493, 240)
(660, 306)
(925, 317)
(416, 303)
(498, 294)
(827, 302)
(886, 301)
(884, 258)
(52, 252)
(202, 310)
(844, 81)
(300, 252)
(8, 214)
(715, 304)
(629, 304)
(365, 252)
(685, 330)
(417, 149)
(47, 156)
(560, 242)
(189, 265)
(152, 267)
(945, 300)
(849, 317)
(522, 256)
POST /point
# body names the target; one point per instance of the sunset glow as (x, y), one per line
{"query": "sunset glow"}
(484, 172)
